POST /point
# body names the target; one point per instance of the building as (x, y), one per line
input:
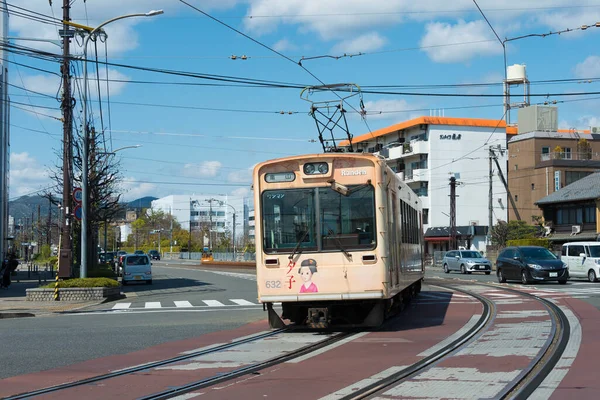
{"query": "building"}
(572, 213)
(4, 136)
(197, 211)
(427, 151)
(542, 162)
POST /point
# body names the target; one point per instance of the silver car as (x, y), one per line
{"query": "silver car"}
(466, 261)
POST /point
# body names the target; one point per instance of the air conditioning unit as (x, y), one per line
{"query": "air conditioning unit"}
(575, 229)
(595, 129)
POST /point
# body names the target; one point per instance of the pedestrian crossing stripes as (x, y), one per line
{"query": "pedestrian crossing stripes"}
(576, 292)
(183, 304)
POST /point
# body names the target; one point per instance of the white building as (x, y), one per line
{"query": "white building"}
(427, 151)
(197, 210)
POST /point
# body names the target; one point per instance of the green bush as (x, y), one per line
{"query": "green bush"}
(84, 283)
(101, 271)
(529, 242)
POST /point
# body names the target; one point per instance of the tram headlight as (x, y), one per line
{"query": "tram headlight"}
(316, 168)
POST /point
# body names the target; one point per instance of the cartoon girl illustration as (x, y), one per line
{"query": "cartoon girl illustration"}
(306, 271)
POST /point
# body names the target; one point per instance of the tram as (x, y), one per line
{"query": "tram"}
(339, 239)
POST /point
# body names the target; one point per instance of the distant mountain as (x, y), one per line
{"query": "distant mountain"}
(24, 206)
(143, 202)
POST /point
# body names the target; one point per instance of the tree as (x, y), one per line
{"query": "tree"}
(503, 232)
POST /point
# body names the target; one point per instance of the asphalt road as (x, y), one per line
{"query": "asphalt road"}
(40, 343)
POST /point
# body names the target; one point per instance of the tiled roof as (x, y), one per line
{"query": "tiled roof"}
(587, 188)
(444, 231)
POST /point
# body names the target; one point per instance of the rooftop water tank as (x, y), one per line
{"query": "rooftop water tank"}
(516, 73)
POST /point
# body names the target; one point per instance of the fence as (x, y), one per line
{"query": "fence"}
(217, 256)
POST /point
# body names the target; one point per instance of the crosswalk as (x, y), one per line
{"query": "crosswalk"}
(182, 304)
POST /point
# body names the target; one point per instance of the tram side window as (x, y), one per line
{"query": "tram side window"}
(410, 223)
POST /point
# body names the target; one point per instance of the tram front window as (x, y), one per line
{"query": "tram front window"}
(346, 222)
(287, 216)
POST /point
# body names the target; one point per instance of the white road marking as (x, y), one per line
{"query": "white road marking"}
(121, 306)
(242, 302)
(183, 304)
(213, 303)
(153, 304)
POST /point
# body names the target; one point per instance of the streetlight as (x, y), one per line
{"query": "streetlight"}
(84, 172)
(221, 203)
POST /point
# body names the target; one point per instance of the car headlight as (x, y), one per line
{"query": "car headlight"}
(565, 265)
(535, 266)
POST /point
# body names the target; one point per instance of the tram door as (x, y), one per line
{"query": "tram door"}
(393, 240)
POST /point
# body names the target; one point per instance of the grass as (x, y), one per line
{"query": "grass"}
(84, 283)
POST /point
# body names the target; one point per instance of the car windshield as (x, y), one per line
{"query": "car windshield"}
(292, 218)
(470, 254)
(137, 260)
(594, 251)
(537, 253)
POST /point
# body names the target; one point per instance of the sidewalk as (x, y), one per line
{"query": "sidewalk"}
(14, 304)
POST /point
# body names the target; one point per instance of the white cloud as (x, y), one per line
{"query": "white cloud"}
(440, 34)
(26, 175)
(386, 109)
(133, 190)
(368, 42)
(241, 192)
(242, 176)
(589, 68)
(284, 45)
(205, 169)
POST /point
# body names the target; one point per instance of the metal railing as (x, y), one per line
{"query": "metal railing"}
(567, 155)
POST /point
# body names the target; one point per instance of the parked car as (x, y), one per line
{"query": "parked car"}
(107, 257)
(154, 255)
(139, 252)
(136, 268)
(466, 261)
(530, 264)
(582, 259)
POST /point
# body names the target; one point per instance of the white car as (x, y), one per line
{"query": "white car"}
(582, 259)
(466, 261)
(136, 268)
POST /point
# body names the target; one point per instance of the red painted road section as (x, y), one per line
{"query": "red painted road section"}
(91, 368)
(582, 382)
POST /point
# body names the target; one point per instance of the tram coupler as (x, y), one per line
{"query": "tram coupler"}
(318, 318)
(275, 321)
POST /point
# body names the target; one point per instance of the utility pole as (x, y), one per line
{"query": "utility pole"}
(65, 254)
(491, 199)
(49, 223)
(452, 212)
(211, 225)
(171, 238)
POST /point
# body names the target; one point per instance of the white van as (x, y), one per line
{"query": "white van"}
(137, 268)
(583, 259)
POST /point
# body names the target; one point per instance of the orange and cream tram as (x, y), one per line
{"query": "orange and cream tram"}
(339, 239)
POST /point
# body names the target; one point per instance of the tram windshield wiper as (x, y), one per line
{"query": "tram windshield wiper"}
(291, 256)
(339, 244)
(344, 190)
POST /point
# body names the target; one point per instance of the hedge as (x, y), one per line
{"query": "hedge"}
(84, 283)
(529, 242)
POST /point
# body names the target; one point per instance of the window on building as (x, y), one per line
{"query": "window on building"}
(567, 153)
(546, 150)
(516, 167)
(425, 216)
(572, 176)
(220, 213)
(203, 213)
(195, 213)
(516, 197)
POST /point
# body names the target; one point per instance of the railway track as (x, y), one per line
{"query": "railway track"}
(526, 383)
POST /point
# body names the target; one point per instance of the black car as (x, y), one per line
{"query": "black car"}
(154, 255)
(530, 264)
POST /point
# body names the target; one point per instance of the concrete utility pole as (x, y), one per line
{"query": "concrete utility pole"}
(491, 199)
(171, 236)
(4, 132)
(66, 252)
(452, 212)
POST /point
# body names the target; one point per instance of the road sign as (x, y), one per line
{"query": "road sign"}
(77, 195)
(77, 212)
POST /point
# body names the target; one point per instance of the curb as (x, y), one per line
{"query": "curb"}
(6, 315)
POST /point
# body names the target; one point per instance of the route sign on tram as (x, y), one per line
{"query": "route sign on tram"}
(77, 195)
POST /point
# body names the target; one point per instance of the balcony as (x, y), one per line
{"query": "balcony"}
(409, 149)
(569, 159)
(416, 175)
(567, 155)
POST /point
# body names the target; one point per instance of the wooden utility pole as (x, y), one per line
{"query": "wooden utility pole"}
(66, 252)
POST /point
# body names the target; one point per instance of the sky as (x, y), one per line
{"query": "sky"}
(201, 135)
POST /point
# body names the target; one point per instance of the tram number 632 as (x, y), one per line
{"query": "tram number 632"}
(273, 284)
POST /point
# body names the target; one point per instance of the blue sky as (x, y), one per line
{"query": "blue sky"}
(206, 139)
